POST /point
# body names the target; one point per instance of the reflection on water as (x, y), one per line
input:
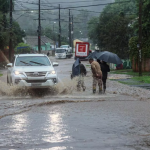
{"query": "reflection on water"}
(56, 129)
(56, 148)
(19, 123)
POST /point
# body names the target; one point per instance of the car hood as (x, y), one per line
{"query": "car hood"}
(34, 68)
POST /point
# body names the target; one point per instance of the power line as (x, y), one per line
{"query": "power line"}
(61, 2)
(76, 6)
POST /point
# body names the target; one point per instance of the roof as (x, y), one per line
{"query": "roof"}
(61, 48)
(33, 40)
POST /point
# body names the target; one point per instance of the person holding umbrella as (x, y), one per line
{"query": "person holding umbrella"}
(97, 75)
(79, 70)
(105, 69)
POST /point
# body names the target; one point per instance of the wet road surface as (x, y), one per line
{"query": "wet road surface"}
(66, 120)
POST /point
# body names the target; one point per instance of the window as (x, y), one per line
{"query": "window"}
(60, 50)
(32, 61)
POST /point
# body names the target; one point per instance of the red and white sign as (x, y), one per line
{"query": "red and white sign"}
(82, 49)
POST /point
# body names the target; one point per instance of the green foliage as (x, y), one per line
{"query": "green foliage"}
(4, 6)
(114, 28)
(144, 79)
(4, 34)
(23, 50)
(115, 34)
(50, 33)
(145, 33)
(128, 72)
(134, 50)
(146, 19)
(92, 29)
(64, 43)
(18, 34)
(53, 35)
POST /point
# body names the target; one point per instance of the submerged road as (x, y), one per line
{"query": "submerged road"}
(66, 120)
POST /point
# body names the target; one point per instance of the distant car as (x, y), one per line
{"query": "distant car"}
(62, 53)
(32, 70)
(67, 47)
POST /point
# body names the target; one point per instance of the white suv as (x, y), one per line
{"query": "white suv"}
(32, 70)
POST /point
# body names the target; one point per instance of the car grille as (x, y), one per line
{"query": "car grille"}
(35, 74)
(36, 81)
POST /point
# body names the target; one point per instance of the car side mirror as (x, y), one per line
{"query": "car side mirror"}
(55, 64)
(9, 65)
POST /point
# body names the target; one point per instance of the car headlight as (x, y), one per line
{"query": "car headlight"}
(17, 72)
(52, 72)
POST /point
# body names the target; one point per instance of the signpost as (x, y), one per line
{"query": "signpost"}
(82, 49)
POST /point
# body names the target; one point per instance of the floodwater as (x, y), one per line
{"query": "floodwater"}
(61, 118)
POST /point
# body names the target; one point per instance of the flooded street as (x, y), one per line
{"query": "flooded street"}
(61, 118)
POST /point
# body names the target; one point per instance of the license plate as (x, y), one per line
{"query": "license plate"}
(36, 84)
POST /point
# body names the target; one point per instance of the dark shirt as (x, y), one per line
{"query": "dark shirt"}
(105, 69)
(78, 70)
(82, 70)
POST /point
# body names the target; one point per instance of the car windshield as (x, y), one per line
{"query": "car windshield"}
(32, 61)
(60, 50)
(64, 46)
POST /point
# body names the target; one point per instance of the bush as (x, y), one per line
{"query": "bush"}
(27, 48)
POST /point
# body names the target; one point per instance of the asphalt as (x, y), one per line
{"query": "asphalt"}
(67, 119)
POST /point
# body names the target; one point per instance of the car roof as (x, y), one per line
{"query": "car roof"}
(22, 55)
(60, 48)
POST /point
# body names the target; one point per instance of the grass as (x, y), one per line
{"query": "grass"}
(140, 80)
(129, 72)
(127, 83)
(1, 75)
(88, 65)
(144, 79)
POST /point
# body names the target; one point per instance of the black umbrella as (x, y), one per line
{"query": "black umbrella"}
(93, 55)
(109, 57)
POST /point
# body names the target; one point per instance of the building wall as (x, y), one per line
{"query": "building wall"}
(46, 47)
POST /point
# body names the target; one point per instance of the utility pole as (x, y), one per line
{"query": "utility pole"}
(140, 38)
(10, 34)
(39, 28)
(54, 36)
(59, 36)
(72, 34)
(69, 28)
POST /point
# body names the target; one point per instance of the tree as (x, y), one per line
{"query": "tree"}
(146, 19)
(4, 34)
(92, 29)
(4, 7)
(50, 33)
(145, 33)
(18, 34)
(115, 34)
(114, 28)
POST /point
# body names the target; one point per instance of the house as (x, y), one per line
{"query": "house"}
(32, 41)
